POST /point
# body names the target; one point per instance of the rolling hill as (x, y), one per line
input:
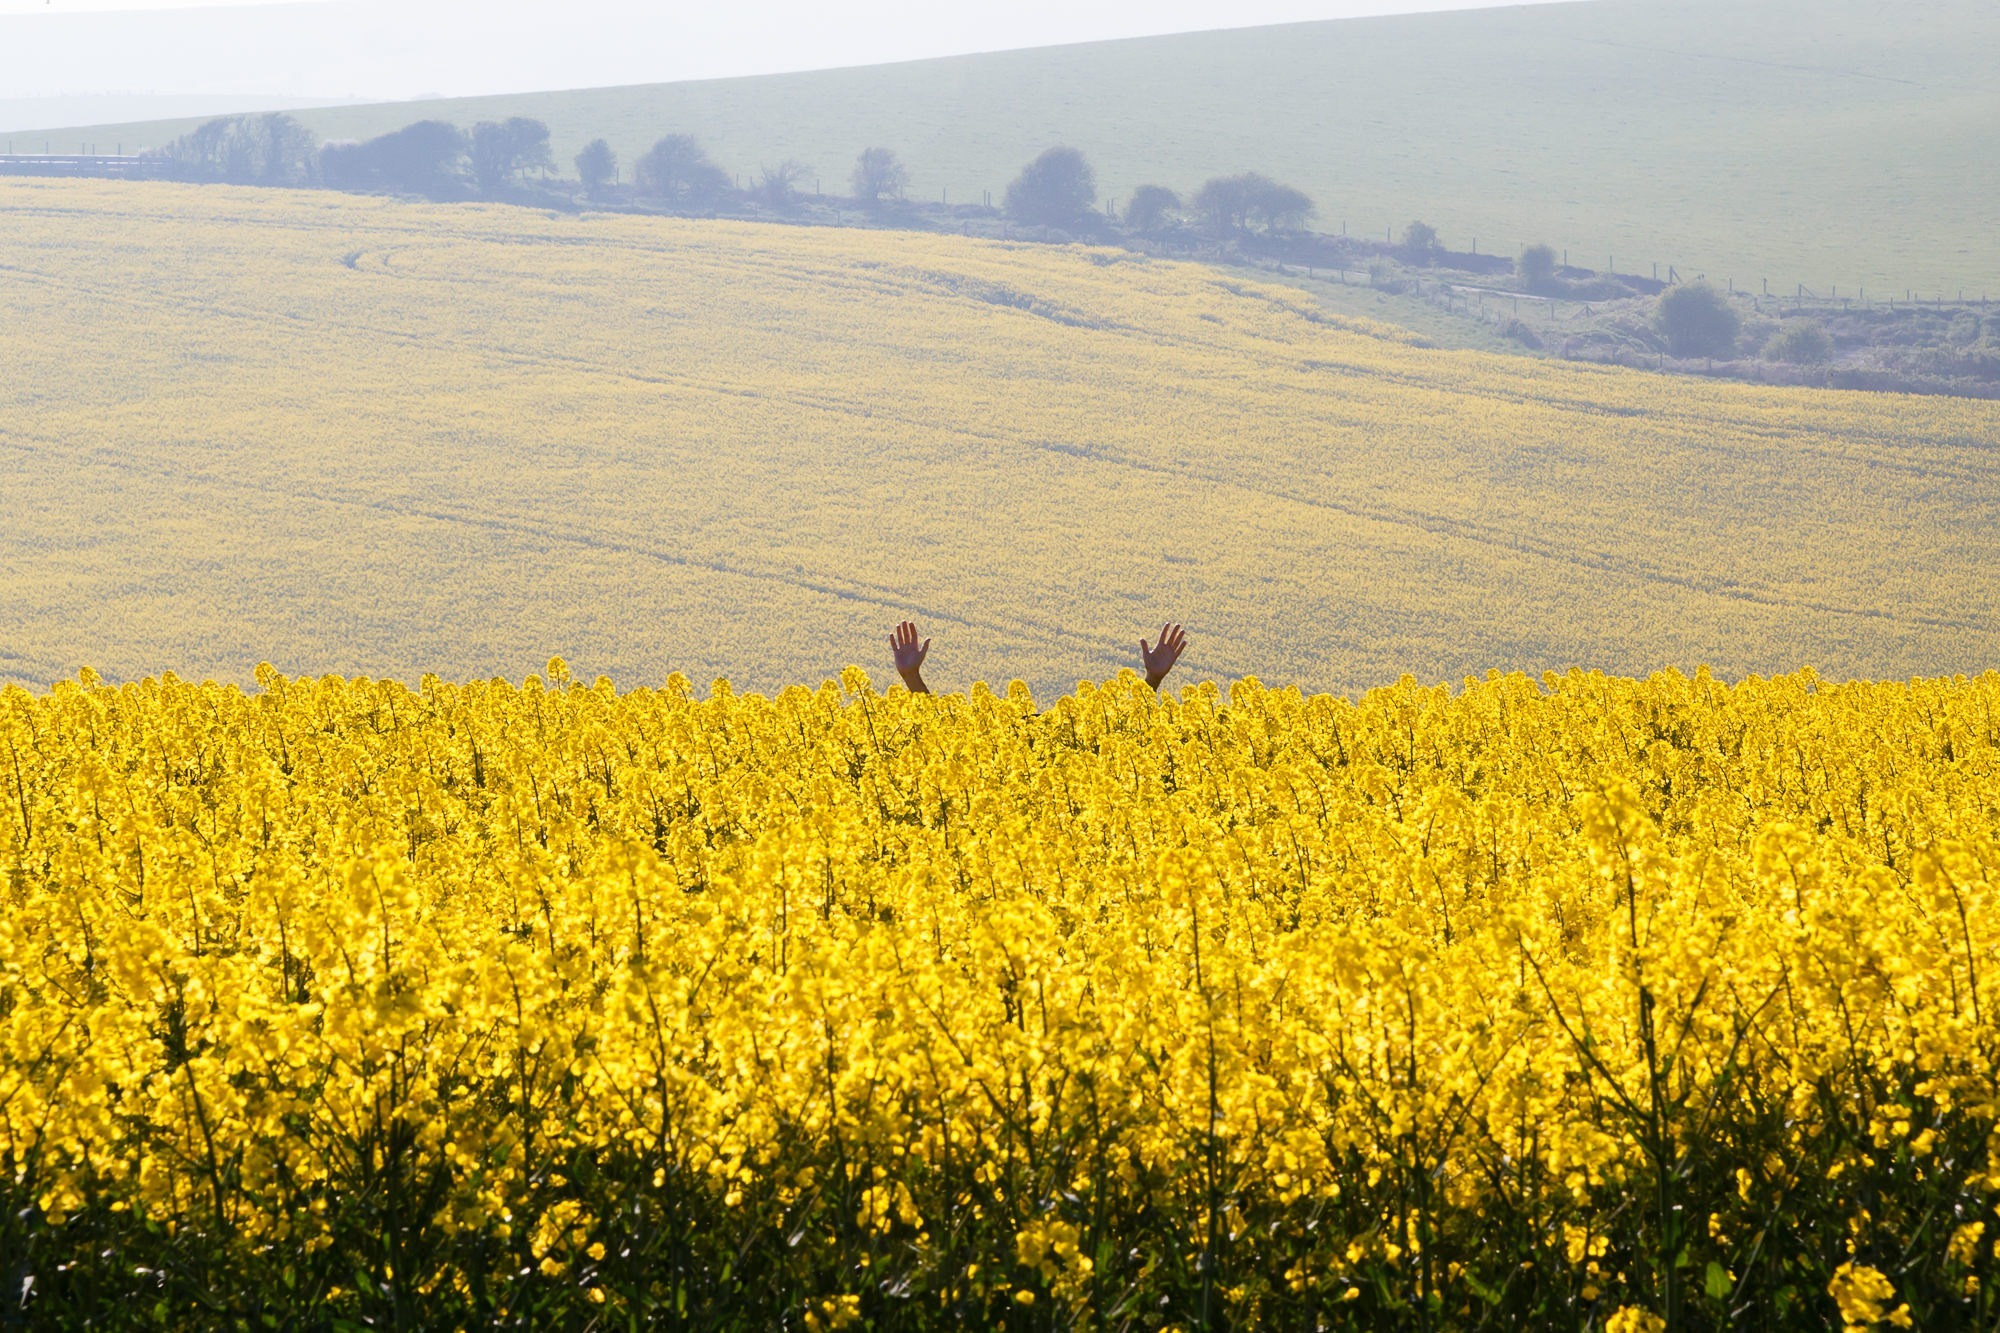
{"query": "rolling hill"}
(355, 435)
(1843, 144)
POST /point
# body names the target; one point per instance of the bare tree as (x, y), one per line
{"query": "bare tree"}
(877, 172)
(777, 186)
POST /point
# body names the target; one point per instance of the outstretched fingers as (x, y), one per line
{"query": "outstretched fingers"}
(903, 644)
(1159, 658)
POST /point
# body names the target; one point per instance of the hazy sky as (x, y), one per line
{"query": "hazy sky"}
(392, 49)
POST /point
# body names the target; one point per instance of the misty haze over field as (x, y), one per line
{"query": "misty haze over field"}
(104, 61)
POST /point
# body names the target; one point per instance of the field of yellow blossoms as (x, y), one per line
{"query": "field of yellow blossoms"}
(1583, 1002)
(377, 437)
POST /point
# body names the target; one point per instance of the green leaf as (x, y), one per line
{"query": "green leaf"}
(1716, 1281)
(1482, 1291)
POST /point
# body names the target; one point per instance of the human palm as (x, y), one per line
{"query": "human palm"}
(909, 655)
(1159, 658)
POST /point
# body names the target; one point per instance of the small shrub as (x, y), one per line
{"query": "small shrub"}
(1803, 342)
(1420, 243)
(596, 165)
(1536, 268)
(1151, 208)
(1385, 277)
(1697, 320)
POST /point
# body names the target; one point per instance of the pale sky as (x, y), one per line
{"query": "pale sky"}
(394, 49)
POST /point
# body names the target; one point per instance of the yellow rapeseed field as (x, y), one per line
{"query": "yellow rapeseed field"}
(1584, 1002)
(371, 437)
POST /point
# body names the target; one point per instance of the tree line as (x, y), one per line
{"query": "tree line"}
(1058, 189)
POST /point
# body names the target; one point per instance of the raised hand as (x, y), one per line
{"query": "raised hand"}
(910, 656)
(1160, 659)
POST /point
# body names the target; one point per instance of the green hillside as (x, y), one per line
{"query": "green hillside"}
(1840, 143)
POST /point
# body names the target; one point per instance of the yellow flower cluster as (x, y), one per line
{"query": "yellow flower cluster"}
(1640, 997)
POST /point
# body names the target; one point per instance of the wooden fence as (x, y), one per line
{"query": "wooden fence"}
(115, 166)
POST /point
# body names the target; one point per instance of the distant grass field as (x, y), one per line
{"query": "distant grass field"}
(354, 435)
(1840, 143)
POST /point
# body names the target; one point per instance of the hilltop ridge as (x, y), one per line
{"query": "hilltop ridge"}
(1841, 143)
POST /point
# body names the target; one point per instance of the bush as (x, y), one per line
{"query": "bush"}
(1420, 243)
(1057, 189)
(596, 165)
(1383, 276)
(1536, 268)
(677, 170)
(1697, 320)
(1151, 208)
(1803, 342)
